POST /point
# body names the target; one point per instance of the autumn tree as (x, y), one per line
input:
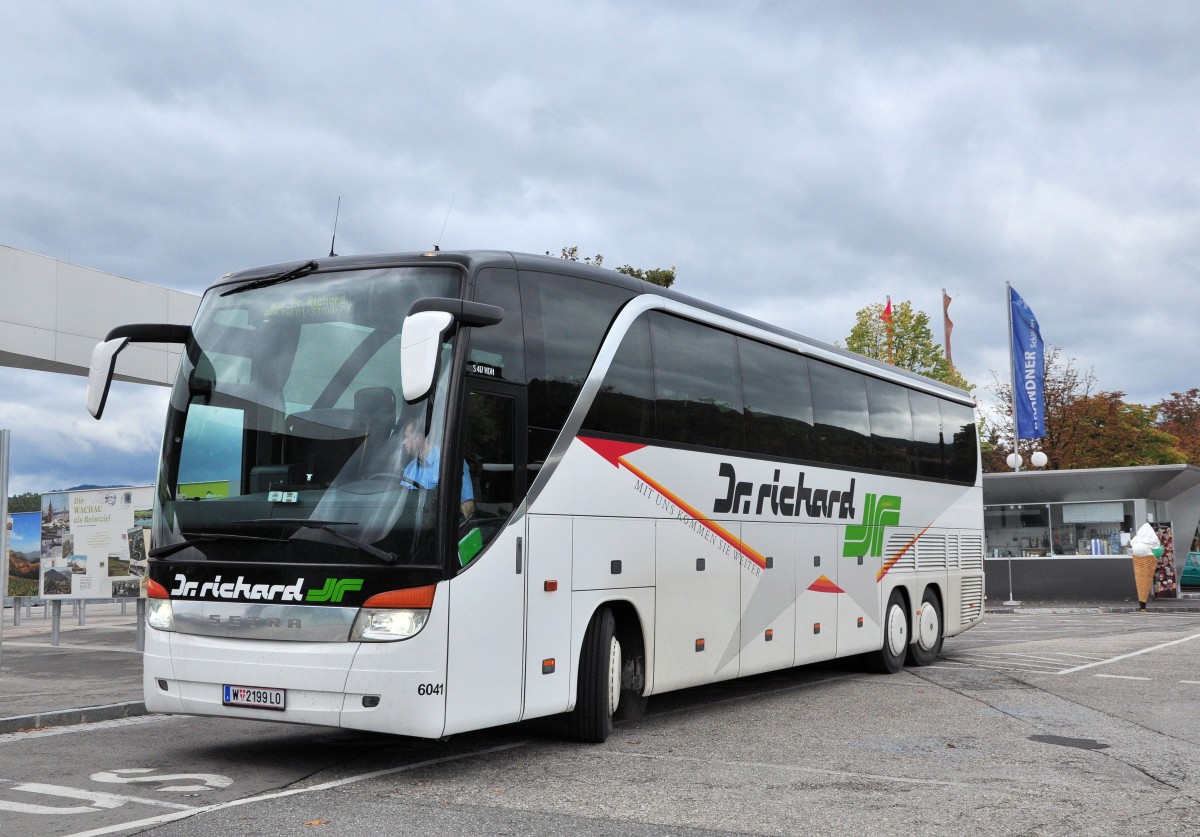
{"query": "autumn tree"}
(1179, 415)
(664, 277)
(913, 346)
(1084, 428)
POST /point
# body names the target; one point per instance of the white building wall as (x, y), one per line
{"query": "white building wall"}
(53, 313)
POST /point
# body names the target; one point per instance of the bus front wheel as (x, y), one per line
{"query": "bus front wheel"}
(591, 721)
(890, 658)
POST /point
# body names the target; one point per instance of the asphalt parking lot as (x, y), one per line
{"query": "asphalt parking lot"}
(1030, 724)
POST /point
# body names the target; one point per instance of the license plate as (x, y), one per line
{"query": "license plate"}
(254, 696)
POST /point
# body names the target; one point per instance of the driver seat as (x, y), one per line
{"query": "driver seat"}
(377, 406)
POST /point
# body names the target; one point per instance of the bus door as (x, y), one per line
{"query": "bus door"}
(485, 659)
(820, 613)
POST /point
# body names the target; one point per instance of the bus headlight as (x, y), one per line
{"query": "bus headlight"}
(160, 615)
(387, 625)
(393, 615)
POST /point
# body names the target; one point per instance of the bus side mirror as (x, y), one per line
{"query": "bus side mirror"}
(104, 361)
(421, 337)
(420, 342)
(104, 356)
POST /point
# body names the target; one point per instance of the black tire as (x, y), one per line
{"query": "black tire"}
(889, 659)
(927, 633)
(591, 721)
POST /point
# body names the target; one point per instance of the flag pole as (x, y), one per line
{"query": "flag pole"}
(890, 316)
(947, 326)
(1012, 368)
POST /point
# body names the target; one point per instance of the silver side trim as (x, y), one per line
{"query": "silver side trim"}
(279, 622)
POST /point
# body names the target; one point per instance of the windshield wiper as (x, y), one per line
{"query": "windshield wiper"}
(286, 276)
(171, 548)
(374, 552)
(327, 526)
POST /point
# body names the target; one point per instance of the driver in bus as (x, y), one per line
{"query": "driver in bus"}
(422, 470)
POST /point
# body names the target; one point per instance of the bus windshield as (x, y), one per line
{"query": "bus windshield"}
(288, 438)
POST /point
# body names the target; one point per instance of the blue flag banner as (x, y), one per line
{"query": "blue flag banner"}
(1029, 370)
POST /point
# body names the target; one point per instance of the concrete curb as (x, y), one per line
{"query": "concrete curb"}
(69, 717)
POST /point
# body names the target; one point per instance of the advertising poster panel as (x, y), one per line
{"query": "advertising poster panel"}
(94, 543)
(24, 553)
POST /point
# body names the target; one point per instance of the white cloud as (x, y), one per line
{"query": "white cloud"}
(54, 443)
(795, 161)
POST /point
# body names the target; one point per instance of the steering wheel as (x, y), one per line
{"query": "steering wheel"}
(400, 478)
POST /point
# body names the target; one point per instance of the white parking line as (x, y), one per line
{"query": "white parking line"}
(1121, 677)
(1131, 654)
(1033, 657)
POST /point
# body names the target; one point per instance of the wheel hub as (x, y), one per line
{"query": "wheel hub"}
(897, 630)
(928, 628)
(614, 676)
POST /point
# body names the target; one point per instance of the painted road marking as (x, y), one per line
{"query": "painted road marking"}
(1131, 654)
(207, 780)
(98, 800)
(1121, 677)
(349, 780)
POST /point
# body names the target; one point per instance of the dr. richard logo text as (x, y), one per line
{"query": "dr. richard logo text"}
(236, 590)
(783, 500)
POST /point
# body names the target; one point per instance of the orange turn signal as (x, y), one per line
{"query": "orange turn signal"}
(154, 590)
(412, 597)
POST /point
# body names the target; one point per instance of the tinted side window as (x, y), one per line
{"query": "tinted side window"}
(625, 403)
(891, 426)
(927, 435)
(959, 442)
(565, 321)
(779, 416)
(499, 347)
(843, 432)
(697, 384)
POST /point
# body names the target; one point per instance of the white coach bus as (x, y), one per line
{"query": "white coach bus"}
(428, 493)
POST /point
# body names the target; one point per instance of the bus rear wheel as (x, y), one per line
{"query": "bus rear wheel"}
(599, 694)
(890, 658)
(927, 642)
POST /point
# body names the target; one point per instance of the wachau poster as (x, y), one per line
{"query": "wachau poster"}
(94, 543)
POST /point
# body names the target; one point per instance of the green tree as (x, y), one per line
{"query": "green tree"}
(664, 277)
(913, 346)
(26, 502)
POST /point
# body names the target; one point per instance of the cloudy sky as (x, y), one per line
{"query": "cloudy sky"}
(795, 161)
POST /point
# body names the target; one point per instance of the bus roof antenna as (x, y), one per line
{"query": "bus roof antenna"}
(336, 212)
(438, 244)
